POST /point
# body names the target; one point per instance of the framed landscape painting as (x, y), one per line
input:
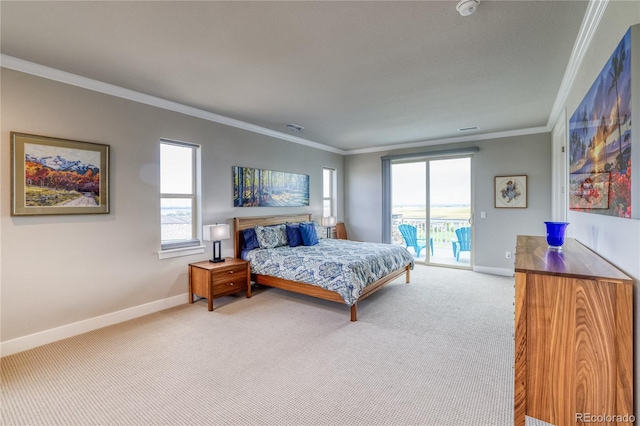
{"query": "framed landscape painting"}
(269, 188)
(511, 191)
(53, 176)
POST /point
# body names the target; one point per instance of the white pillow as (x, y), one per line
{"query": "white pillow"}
(272, 236)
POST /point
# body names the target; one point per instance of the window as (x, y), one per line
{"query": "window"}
(328, 192)
(178, 190)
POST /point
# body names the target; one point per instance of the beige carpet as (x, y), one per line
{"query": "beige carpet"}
(438, 351)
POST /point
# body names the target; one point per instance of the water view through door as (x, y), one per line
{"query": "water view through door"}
(431, 210)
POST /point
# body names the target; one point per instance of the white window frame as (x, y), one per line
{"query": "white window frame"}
(194, 245)
(333, 186)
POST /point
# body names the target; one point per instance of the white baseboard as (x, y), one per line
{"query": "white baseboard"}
(494, 271)
(48, 336)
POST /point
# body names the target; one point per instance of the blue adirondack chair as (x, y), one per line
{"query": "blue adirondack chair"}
(410, 235)
(463, 243)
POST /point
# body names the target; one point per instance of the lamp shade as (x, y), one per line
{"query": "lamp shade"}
(329, 221)
(215, 232)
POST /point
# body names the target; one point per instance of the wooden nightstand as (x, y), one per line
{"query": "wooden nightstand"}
(211, 280)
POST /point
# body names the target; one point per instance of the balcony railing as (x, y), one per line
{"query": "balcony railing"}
(443, 231)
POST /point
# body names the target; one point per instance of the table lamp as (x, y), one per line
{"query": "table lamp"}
(329, 222)
(216, 233)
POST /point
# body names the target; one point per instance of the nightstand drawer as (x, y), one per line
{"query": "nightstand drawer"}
(229, 273)
(232, 284)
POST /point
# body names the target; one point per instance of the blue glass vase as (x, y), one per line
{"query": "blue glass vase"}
(555, 234)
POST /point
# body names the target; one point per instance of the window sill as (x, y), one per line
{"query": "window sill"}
(184, 251)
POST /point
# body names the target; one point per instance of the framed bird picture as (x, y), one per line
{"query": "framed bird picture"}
(511, 192)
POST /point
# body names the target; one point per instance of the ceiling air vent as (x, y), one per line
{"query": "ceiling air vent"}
(294, 127)
(468, 129)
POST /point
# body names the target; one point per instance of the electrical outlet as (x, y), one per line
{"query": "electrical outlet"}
(507, 254)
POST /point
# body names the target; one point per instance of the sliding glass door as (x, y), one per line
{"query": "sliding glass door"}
(449, 211)
(431, 209)
(409, 207)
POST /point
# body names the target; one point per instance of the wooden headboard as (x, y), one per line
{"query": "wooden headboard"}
(240, 223)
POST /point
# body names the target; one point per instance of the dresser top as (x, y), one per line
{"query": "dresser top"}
(574, 260)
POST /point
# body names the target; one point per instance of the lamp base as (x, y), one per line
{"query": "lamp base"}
(217, 255)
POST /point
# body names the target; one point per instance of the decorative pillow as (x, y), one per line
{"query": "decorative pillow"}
(272, 236)
(308, 233)
(293, 235)
(321, 231)
(250, 239)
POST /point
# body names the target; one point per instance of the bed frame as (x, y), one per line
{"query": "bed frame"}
(241, 223)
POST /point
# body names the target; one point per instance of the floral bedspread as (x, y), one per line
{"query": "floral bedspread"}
(343, 266)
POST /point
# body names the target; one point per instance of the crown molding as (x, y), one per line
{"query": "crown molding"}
(469, 138)
(43, 71)
(590, 23)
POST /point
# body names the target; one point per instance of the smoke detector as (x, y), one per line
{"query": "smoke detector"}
(467, 7)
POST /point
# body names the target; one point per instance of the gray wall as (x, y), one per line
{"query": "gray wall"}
(529, 155)
(615, 239)
(58, 270)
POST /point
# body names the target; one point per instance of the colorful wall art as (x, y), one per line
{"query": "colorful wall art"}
(269, 188)
(58, 176)
(600, 140)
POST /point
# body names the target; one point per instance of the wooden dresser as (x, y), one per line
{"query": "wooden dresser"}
(573, 336)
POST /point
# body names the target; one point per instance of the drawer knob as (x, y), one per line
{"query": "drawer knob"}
(231, 284)
(231, 272)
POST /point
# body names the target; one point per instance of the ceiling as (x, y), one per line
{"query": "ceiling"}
(356, 75)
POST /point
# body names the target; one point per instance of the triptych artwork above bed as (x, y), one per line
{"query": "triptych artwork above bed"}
(269, 188)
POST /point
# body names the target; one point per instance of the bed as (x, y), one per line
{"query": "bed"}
(395, 262)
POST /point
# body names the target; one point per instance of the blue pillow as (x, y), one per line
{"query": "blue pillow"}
(308, 233)
(250, 239)
(293, 235)
(321, 231)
